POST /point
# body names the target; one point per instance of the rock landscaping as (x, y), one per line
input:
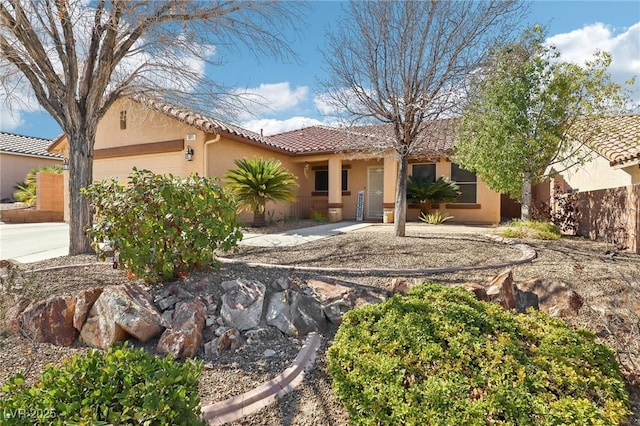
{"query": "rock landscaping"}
(565, 274)
(188, 324)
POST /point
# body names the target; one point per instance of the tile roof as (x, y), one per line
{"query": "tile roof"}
(434, 140)
(25, 145)
(202, 122)
(619, 139)
(314, 139)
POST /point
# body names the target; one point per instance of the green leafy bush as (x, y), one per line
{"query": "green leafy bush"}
(532, 229)
(122, 386)
(440, 357)
(162, 226)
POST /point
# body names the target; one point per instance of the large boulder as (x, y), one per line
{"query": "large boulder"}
(184, 336)
(84, 301)
(502, 290)
(336, 299)
(295, 313)
(13, 316)
(242, 303)
(478, 290)
(51, 320)
(120, 312)
(554, 297)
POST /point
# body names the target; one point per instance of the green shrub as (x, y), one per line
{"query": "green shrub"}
(434, 218)
(163, 226)
(317, 216)
(440, 357)
(423, 191)
(122, 386)
(532, 229)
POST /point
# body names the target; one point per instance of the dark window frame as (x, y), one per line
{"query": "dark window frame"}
(471, 181)
(424, 164)
(325, 171)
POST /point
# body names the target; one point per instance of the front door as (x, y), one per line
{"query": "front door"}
(375, 192)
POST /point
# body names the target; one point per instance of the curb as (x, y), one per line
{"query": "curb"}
(239, 406)
(527, 255)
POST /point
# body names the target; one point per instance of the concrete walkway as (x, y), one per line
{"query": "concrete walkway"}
(32, 242)
(299, 236)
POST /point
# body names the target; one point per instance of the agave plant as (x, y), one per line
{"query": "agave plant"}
(428, 193)
(260, 180)
(26, 191)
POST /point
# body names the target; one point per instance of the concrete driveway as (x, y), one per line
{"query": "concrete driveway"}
(31, 242)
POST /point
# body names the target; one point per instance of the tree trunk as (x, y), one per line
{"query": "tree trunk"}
(80, 176)
(259, 218)
(525, 210)
(400, 214)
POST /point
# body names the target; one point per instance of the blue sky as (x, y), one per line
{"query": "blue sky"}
(577, 28)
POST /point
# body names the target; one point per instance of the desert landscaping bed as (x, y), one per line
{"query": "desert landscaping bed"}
(610, 286)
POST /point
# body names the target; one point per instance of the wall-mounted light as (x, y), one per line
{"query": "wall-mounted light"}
(188, 154)
(65, 164)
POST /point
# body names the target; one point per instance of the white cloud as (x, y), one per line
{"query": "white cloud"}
(10, 119)
(17, 99)
(579, 45)
(271, 126)
(269, 98)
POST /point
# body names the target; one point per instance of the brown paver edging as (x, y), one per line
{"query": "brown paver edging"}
(239, 406)
(528, 254)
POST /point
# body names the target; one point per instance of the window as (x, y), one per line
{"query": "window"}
(467, 181)
(322, 180)
(123, 120)
(425, 172)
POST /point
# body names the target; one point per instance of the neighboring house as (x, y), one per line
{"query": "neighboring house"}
(607, 188)
(20, 154)
(615, 157)
(167, 139)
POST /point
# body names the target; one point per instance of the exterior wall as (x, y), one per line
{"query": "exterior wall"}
(611, 215)
(50, 195)
(14, 169)
(144, 126)
(598, 174)
(486, 210)
(221, 156)
(634, 172)
(357, 181)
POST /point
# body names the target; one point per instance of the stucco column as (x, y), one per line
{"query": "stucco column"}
(335, 189)
(389, 196)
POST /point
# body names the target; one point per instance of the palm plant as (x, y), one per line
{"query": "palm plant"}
(26, 191)
(259, 180)
(428, 193)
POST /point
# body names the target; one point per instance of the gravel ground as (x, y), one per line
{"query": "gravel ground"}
(611, 288)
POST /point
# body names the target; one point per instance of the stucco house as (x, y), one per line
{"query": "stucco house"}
(20, 154)
(614, 157)
(165, 138)
(606, 189)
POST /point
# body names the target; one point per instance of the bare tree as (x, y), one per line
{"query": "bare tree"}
(79, 57)
(407, 63)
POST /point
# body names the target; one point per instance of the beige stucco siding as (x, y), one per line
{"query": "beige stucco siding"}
(596, 174)
(120, 168)
(14, 169)
(486, 209)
